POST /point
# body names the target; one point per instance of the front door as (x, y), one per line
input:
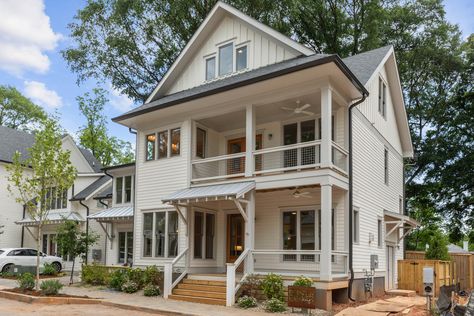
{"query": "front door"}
(238, 145)
(390, 267)
(235, 236)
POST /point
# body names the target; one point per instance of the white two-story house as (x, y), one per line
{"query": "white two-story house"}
(256, 155)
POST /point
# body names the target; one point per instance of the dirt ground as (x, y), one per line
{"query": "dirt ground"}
(418, 310)
(14, 308)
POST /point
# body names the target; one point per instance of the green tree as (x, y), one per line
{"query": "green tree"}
(30, 180)
(438, 248)
(17, 111)
(109, 150)
(72, 241)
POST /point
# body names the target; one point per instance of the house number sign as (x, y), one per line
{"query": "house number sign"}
(302, 297)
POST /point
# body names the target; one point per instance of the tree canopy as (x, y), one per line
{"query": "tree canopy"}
(132, 43)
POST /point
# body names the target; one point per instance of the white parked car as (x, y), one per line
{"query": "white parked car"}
(9, 257)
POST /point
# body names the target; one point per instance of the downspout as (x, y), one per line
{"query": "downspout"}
(23, 228)
(107, 229)
(134, 186)
(87, 228)
(351, 202)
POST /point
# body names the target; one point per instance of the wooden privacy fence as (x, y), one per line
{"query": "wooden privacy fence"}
(410, 274)
(462, 268)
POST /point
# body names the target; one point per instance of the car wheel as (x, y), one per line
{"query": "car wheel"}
(8, 268)
(57, 266)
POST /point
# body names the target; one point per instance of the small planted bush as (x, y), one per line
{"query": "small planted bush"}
(303, 281)
(151, 290)
(49, 269)
(130, 287)
(51, 287)
(26, 281)
(94, 274)
(137, 276)
(251, 285)
(152, 275)
(275, 305)
(272, 287)
(247, 302)
(117, 279)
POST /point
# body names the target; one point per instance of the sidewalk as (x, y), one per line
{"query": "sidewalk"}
(155, 304)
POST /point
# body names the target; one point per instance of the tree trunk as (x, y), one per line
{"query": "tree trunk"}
(71, 280)
(38, 245)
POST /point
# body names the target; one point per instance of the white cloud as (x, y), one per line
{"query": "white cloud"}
(119, 101)
(25, 36)
(41, 95)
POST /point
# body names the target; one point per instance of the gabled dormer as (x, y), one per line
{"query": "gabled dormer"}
(227, 42)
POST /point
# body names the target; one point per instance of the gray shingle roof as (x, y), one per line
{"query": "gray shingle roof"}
(93, 162)
(364, 64)
(104, 194)
(91, 188)
(452, 248)
(11, 141)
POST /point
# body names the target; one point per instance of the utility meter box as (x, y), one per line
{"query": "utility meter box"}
(374, 262)
(97, 254)
(428, 281)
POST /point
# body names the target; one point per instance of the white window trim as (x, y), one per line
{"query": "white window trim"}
(168, 135)
(203, 241)
(236, 47)
(153, 234)
(206, 58)
(219, 46)
(132, 195)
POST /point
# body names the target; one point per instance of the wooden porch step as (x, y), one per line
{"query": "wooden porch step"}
(200, 287)
(202, 300)
(204, 282)
(199, 293)
(398, 292)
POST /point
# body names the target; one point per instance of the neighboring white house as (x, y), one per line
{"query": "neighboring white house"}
(75, 203)
(243, 164)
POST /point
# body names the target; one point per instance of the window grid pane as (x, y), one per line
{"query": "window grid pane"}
(241, 58)
(210, 68)
(150, 146)
(128, 189)
(160, 221)
(175, 141)
(147, 234)
(225, 59)
(289, 234)
(162, 144)
(200, 143)
(198, 234)
(172, 234)
(210, 224)
(118, 190)
(307, 234)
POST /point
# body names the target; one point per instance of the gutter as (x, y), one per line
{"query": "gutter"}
(87, 227)
(365, 94)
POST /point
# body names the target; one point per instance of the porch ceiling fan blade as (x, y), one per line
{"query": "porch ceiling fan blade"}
(306, 196)
(309, 113)
(304, 107)
(287, 108)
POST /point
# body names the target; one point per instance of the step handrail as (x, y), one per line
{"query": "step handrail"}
(168, 283)
(231, 287)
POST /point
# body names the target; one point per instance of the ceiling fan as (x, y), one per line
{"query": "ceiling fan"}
(297, 194)
(299, 109)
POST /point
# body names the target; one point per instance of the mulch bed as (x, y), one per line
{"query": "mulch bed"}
(42, 276)
(40, 294)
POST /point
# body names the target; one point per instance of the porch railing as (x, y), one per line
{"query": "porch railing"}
(340, 157)
(233, 285)
(168, 283)
(219, 167)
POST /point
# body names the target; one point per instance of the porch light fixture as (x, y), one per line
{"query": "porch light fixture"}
(151, 137)
(238, 248)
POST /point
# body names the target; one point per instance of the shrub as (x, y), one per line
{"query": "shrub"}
(94, 274)
(49, 269)
(272, 287)
(151, 290)
(129, 287)
(247, 302)
(117, 278)
(152, 275)
(275, 305)
(51, 287)
(251, 285)
(26, 281)
(303, 281)
(438, 248)
(137, 276)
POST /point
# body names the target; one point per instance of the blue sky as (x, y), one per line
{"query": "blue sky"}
(33, 32)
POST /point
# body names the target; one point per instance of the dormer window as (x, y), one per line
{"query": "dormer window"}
(241, 58)
(210, 68)
(226, 59)
(123, 189)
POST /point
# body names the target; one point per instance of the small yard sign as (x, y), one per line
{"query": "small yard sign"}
(302, 297)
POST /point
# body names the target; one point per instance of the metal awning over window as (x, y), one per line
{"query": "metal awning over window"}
(113, 214)
(395, 221)
(52, 218)
(216, 192)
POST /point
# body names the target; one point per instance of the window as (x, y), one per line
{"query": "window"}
(226, 59)
(162, 144)
(379, 232)
(123, 189)
(49, 244)
(204, 230)
(160, 232)
(56, 200)
(382, 98)
(385, 165)
(150, 147)
(400, 204)
(125, 247)
(241, 58)
(210, 68)
(201, 138)
(299, 233)
(175, 142)
(356, 227)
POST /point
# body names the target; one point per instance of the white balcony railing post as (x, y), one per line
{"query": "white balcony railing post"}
(230, 285)
(249, 140)
(326, 233)
(167, 279)
(326, 113)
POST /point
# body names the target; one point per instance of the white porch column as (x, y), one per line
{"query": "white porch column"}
(250, 230)
(326, 113)
(326, 232)
(249, 140)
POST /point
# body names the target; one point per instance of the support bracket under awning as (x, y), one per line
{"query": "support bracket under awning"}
(399, 222)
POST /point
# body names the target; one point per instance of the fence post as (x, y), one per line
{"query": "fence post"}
(230, 285)
(167, 279)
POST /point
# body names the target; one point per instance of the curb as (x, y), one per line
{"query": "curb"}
(144, 309)
(47, 300)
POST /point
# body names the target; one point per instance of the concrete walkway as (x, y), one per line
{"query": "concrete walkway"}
(160, 305)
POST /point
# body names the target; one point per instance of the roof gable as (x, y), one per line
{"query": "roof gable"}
(211, 25)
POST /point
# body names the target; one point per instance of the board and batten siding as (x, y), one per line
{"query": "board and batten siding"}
(155, 180)
(262, 50)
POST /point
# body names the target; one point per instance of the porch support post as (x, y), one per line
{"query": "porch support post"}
(326, 232)
(326, 122)
(249, 140)
(250, 231)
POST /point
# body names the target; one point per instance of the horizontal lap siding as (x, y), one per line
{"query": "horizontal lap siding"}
(10, 212)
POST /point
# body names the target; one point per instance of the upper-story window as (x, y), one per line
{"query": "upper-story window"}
(385, 165)
(56, 200)
(210, 68)
(226, 59)
(241, 58)
(169, 144)
(123, 189)
(382, 97)
(201, 139)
